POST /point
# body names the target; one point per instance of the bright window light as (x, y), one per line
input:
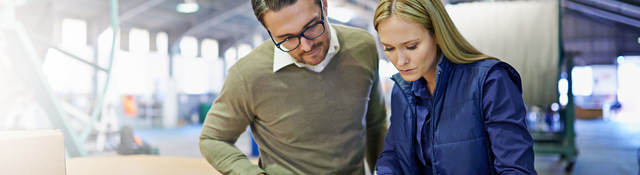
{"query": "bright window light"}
(192, 75)
(628, 84)
(257, 40)
(138, 41)
(216, 72)
(66, 75)
(4, 61)
(564, 100)
(230, 57)
(243, 50)
(386, 69)
(563, 90)
(582, 77)
(130, 77)
(210, 49)
(104, 44)
(3, 41)
(341, 14)
(189, 46)
(74, 33)
(563, 86)
(162, 43)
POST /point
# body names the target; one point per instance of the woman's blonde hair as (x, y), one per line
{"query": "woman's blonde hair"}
(433, 16)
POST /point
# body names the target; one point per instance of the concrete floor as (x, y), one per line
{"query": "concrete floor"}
(606, 147)
(178, 142)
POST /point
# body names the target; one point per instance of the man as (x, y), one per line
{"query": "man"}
(310, 95)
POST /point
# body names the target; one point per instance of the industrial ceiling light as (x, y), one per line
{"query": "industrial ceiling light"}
(188, 6)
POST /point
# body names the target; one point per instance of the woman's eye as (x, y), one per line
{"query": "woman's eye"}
(412, 47)
(388, 49)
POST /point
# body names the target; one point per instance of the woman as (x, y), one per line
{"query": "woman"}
(454, 109)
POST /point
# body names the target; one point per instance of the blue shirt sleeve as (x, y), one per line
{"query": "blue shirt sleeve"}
(504, 114)
(387, 162)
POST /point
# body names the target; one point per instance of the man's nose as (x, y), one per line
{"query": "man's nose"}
(306, 44)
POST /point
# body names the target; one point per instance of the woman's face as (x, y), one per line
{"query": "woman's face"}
(409, 46)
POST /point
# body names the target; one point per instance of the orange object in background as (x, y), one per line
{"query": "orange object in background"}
(138, 141)
(588, 114)
(130, 106)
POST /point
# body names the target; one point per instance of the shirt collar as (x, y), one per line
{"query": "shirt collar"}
(282, 59)
(419, 88)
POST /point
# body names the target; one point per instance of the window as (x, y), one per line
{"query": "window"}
(162, 43)
(230, 57)
(74, 33)
(138, 41)
(104, 42)
(243, 50)
(189, 46)
(210, 49)
(582, 78)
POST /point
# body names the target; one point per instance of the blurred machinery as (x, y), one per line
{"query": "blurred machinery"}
(557, 138)
(131, 144)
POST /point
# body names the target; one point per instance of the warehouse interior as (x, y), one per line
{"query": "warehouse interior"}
(123, 87)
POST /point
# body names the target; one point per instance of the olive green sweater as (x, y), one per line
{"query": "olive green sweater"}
(303, 122)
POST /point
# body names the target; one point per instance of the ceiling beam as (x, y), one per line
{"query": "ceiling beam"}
(217, 18)
(617, 7)
(602, 13)
(229, 29)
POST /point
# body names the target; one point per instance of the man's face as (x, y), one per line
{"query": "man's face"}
(293, 20)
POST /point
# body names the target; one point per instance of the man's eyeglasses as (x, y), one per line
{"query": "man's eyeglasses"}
(293, 42)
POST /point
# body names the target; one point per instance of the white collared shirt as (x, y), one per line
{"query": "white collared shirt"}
(282, 59)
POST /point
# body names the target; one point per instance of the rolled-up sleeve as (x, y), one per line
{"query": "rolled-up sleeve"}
(504, 113)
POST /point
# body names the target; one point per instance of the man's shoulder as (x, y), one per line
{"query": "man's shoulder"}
(353, 35)
(348, 30)
(360, 44)
(263, 52)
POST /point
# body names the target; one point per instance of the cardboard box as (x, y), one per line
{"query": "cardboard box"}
(34, 152)
(139, 165)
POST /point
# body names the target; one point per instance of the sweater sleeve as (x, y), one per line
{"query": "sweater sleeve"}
(504, 114)
(376, 121)
(228, 117)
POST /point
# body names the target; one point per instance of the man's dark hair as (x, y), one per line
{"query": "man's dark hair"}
(260, 7)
